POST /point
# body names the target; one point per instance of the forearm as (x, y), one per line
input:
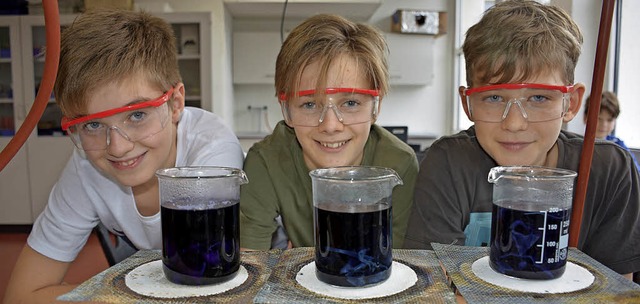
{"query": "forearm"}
(36, 279)
(43, 295)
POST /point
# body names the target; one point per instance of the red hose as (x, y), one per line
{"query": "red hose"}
(602, 47)
(52, 57)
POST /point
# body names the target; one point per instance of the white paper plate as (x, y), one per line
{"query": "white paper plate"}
(149, 280)
(401, 278)
(575, 277)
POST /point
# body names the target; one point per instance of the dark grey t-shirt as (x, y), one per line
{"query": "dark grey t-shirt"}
(452, 185)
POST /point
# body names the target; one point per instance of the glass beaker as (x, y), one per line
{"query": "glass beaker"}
(530, 221)
(200, 215)
(352, 224)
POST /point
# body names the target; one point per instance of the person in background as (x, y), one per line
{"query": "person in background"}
(520, 62)
(122, 97)
(609, 111)
(331, 77)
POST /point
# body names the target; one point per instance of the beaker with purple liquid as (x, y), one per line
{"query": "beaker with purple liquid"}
(530, 221)
(200, 214)
(352, 224)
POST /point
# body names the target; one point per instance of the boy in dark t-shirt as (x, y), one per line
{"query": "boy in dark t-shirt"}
(520, 61)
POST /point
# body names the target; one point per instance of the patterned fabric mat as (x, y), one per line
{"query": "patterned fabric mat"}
(608, 287)
(431, 286)
(109, 286)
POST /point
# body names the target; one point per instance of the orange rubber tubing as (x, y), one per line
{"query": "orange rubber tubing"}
(52, 58)
(602, 46)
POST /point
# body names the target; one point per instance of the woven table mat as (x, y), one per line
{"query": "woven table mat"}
(608, 287)
(431, 286)
(109, 286)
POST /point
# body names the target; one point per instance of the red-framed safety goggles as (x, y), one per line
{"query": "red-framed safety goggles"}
(68, 122)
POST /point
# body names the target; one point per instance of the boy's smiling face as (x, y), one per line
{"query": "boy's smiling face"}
(515, 140)
(332, 143)
(134, 163)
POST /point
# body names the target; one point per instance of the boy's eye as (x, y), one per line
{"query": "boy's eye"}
(493, 99)
(538, 99)
(92, 126)
(350, 105)
(308, 105)
(137, 116)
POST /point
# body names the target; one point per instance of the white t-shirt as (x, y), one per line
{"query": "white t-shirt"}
(83, 196)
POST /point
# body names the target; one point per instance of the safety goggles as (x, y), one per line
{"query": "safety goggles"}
(134, 122)
(351, 106)
(537, 102)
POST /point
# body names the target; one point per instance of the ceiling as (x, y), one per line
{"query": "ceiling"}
(353, 9)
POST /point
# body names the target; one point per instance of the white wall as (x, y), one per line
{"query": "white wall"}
(628, 128)
(426, 110)
(586, 14)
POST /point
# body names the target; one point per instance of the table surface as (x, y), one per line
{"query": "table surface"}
(272, 280)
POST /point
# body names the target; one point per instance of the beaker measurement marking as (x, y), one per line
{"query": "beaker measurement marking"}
(544, 234)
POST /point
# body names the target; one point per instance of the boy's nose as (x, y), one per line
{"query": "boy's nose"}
(118, 143)
(514, 117)
(330, 120)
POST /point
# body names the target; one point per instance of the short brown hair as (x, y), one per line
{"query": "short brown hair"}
(103, 46)
(322, 38)
(516, 39)
(609, 103)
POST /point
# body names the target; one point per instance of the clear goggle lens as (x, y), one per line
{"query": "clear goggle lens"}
(134, 126)
(536, 102)
(350, 106)
(133, 122)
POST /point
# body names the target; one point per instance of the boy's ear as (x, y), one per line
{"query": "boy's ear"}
(463, 99)
(177, 102)
(377, 112)
(575, 102)
(284, 114)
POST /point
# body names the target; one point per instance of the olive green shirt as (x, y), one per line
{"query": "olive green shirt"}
(279, 184)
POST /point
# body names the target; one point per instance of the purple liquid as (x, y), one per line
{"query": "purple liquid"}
(353, 249)
(200, 247)
(519, 248)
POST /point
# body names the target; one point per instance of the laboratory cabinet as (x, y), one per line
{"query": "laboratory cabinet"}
(26, 181)
(255, 52)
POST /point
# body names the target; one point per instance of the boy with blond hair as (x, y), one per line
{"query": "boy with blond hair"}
(331, 78)
(122, 97)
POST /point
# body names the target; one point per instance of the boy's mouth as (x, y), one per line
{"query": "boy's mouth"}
(514, 146)
(333, 145)
(127, 164)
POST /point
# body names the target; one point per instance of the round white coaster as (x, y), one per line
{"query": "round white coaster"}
(149, 280)
(575, 277)
(401, 278)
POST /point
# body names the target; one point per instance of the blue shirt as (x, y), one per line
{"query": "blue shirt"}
(620, 143)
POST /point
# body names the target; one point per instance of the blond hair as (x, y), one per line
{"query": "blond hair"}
(516, 39)
(322, 38)
(104, 46)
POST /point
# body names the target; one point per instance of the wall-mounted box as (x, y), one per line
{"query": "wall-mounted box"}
(413, 21)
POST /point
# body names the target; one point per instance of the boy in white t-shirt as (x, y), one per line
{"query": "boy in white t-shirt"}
(122, 97)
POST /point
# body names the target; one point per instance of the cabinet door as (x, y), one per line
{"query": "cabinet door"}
(14, 181)
(410, 59)
(48, 149)
(193, 34)
(254, 57)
